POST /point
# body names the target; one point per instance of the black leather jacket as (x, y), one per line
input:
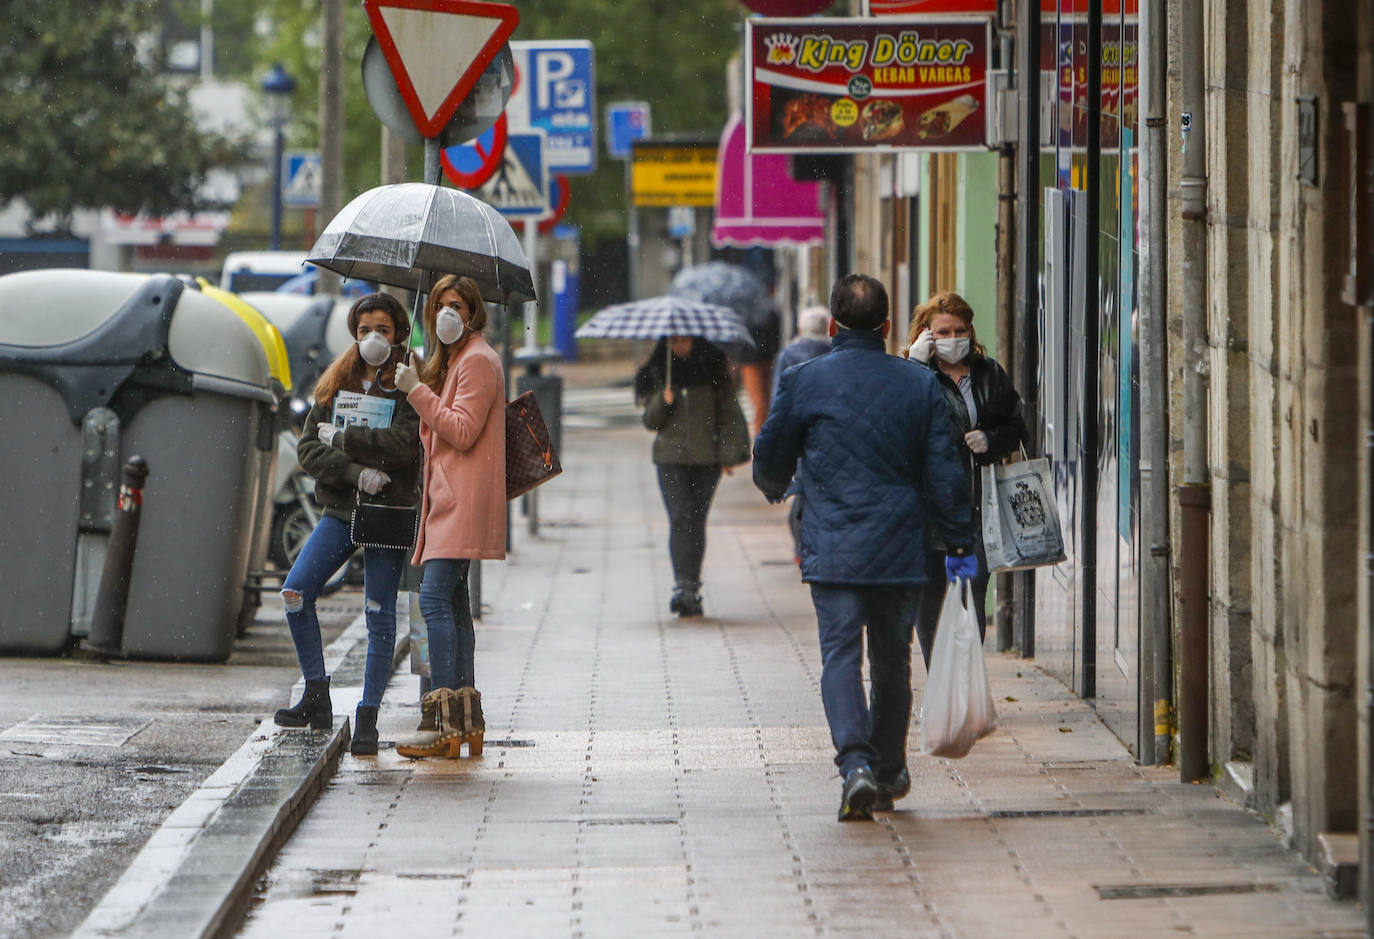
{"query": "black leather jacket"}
(999, 416)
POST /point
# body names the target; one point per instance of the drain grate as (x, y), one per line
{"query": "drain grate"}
(1064, 813)
(509, 743)
(75, 731)
(1155, 891)
(630, 821)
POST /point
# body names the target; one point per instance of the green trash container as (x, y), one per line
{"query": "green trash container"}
(94, 368)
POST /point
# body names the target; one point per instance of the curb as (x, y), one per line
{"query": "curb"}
(196, 873)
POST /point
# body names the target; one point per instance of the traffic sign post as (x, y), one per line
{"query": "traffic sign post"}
(626, 122)
(301, 174)
(520, 186)
(471, 164)
(438, 49)
(555, 91)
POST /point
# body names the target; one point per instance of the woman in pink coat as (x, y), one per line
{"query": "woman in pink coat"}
(460, 394)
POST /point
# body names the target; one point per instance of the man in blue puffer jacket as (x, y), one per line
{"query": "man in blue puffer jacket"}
(879, 466)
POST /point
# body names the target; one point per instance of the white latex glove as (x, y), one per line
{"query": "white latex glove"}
(977, 441)
(371, 481)
(406, 377)
(924, 347)
(328, 433)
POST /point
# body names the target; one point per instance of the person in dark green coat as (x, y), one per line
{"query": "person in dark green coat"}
(701, 432)
(349, 462)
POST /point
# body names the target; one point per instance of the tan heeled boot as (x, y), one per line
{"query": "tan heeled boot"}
(445, 739)
(467, 708)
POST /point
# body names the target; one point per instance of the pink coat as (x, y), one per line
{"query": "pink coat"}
(463, 510)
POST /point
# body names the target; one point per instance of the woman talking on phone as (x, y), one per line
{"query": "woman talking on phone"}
(460, 394)
(986, 421)
(382, 464)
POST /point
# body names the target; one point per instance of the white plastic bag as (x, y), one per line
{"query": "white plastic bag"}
(1020, 523)
(956, 708)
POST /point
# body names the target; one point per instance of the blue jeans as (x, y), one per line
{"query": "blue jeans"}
(329, 546)
(871, 733)
(447, 609)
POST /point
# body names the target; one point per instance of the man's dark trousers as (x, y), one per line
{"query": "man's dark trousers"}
(871, 733)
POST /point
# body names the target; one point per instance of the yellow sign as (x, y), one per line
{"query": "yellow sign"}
(673, 175)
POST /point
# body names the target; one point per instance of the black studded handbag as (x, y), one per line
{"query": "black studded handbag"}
(374, 525)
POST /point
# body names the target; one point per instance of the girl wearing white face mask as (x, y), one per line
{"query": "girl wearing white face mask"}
(985, 411)
(382, 462)
(460, 395)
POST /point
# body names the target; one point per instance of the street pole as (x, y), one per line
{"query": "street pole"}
(532, 307)
(1028, 297)
(1156, 676)
(1006, 296)
(631, 228)
(277, 146)
(331, 124)
(1194, 494)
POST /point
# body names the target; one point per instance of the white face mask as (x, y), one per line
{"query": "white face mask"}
(448, 326)
(952, 351)
(374, 349)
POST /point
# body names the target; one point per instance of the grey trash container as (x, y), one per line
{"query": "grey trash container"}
(139, 365)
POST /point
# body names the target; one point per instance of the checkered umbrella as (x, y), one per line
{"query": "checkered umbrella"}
(656, 317)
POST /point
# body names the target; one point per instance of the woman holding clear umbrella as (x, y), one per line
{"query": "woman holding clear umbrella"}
(459, 394)
(689, 401)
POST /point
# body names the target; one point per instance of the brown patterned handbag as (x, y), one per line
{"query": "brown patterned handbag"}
(530, 460)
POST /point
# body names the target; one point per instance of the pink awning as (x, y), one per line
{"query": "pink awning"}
(758, 203)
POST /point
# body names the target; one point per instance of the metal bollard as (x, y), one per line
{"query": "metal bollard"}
(112, 599)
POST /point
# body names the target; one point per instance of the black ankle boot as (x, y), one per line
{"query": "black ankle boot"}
(313, 709)
(687, 599)
(364, 732)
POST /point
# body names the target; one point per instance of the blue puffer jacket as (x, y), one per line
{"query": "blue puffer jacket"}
(873, 430)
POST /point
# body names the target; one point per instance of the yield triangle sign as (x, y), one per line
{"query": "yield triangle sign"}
(437, 49)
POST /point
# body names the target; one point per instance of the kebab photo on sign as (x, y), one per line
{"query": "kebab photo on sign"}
(881, 119)
(942, 119)
(808, 117)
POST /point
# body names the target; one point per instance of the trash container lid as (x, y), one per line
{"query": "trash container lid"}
(268, 335)
(207, 337)
(53, 307)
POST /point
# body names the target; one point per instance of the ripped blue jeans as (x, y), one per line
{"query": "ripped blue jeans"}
(329, 546)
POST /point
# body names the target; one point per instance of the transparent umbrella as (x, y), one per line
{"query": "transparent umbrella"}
(411, 234)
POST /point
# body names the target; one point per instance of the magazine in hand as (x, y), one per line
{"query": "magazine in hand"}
(357, 410)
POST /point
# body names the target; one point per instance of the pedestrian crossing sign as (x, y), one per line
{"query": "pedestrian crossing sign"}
(520, 186)
(300, 179)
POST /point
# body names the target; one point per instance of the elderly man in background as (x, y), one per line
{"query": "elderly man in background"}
(813, 339)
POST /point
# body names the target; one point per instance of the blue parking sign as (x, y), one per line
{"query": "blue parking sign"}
(556, 93)
(626, 122)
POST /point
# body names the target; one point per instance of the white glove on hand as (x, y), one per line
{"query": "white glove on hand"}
(924, 347)
(406, 377)
(371, 481)
(328, 433)
(977, 441)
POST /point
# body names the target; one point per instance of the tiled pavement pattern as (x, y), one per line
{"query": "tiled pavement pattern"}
(646, 776)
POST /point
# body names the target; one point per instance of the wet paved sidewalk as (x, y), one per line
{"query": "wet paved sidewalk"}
(650, 776)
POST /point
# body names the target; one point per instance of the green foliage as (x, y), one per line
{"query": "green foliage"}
(89, 124)
(292, 37)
